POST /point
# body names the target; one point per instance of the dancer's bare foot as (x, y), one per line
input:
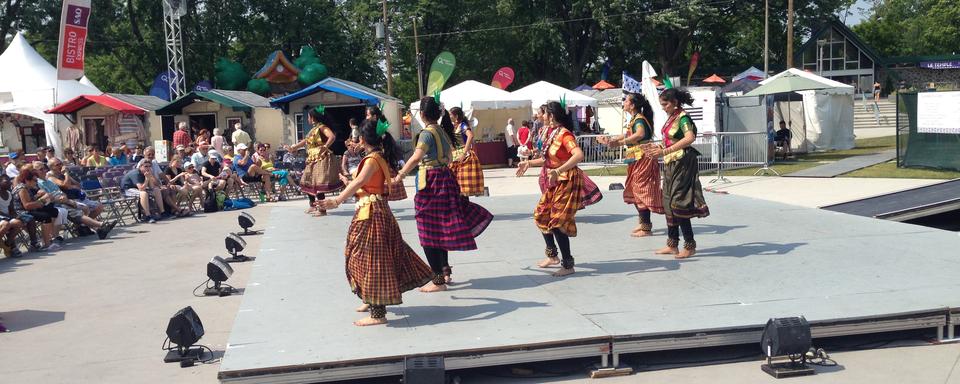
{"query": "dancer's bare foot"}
(431, 287)
(641, 233)
(311, 210)
(320, 213)
(369, 321)
(563, 272)
(667, 251)
(363, 308)
(549, 262)
(447, 279)
(685, 253)
(636, 229)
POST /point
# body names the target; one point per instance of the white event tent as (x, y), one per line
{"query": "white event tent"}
(828, 112)
(488, 107)
(29, 85)
(542, 92)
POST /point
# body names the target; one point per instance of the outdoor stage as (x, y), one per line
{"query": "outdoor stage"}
(756, 260)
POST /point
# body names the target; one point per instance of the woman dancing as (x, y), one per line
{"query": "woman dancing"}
(465, 164)
(642, 188)
(321, 174)
(380, 265)
(682, 194)
(446, 220)
(556, 211)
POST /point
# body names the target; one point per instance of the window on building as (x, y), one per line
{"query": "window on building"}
(298, 118)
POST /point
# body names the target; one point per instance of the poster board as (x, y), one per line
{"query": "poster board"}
(937, 112)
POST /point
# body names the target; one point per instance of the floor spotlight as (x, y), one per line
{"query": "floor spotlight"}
(246, 221)
(183, 331)
(218, 270)
(235, 245)
(790, 337)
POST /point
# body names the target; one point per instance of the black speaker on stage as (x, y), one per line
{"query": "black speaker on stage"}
(424, 370)
(786, 336)
(184, 329)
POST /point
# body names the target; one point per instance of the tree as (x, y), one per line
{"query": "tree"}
(912, 27)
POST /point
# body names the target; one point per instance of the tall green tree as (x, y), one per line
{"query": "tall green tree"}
(912, 27)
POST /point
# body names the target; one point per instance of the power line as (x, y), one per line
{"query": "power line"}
(555, 22)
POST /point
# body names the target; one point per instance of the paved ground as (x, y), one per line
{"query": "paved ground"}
(846, 165)
(96, 311)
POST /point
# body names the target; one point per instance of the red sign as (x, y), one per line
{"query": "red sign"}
(73, 39)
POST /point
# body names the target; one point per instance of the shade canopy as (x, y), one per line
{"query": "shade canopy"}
(751, 73)
(714, 79)
(133, 104)
(787, 83)
(603, 84)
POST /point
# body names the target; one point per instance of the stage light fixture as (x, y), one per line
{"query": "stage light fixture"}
(615, 187)
(424, 369)
(246, 222)
(218, 270)
(790, 337)
(235, 245)
(183, 331)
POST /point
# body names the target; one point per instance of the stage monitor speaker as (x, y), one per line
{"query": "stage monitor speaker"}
(786, 336)
(185, 328)
(424, 370)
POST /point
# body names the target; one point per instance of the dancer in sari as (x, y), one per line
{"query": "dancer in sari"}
(642, 187)
(446, 220)
(465, 164)
(555, 212)
(321, 174)
(380, 266)
(682, 193)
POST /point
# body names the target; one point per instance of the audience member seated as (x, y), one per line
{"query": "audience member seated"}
(13, 165)
(94, 159)
(783, 137)
(75, 212)
(283, 177)
(191, 182)
(140, 183)
(248, 168)
(30, 199)
(10, 223)
(118, 157)
(168, 193)
(137, 155)
(72, 188)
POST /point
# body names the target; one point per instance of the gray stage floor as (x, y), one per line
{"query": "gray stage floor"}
(756, 260)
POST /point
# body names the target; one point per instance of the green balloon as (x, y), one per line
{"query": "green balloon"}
(258, 86)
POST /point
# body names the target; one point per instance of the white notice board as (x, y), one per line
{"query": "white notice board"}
(938, 112)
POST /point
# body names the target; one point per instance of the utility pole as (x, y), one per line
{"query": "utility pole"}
(416, 48)
(386, 50)
(789, 34)
(766, 38)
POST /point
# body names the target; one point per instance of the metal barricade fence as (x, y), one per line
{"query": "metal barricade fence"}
(718, 151)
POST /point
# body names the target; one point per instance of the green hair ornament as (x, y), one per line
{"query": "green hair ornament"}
(320, 109)
(436, 96)
(563, 101)
(382, 127)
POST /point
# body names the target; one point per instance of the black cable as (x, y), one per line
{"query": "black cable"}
(198, 287)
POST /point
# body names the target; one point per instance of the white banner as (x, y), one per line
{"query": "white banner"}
(938, 112)
(73, 39)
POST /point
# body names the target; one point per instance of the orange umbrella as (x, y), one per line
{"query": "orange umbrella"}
(714, 79)
(603, 84)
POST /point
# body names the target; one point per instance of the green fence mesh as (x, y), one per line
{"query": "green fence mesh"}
(923, 150)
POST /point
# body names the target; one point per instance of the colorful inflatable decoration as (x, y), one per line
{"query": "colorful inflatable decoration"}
(230, 75)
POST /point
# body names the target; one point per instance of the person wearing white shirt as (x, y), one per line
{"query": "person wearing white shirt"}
(13, 166)
(511, 138)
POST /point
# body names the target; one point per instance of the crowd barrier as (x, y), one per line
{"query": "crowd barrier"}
(718, 151)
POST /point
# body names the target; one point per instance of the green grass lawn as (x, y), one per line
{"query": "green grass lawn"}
(810, 160)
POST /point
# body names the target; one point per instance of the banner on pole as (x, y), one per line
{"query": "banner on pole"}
(440, 71)
(694, 60)
(73, 39)
(502, 78)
